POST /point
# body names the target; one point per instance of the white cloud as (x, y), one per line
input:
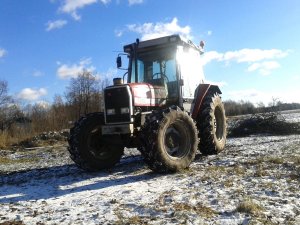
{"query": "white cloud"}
(210, 56)
(2, 52)
(150, 30)
(32, 94)
(107, 77)
(255, 96)
(57, 24)
(134, 2)
(209, 33)
(253, 55)
(246, 55)
(66, 71)
(110, 73)
(43, 104)
(252, 95)
(264, 68)
(119, 33)
(38, 73)
(259, 60)
(71, 6)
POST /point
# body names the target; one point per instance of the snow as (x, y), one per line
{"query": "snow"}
(261, 169)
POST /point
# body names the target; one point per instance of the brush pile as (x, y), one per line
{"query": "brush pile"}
(45, 139)
(272, 123)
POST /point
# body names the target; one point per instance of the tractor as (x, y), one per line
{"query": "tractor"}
(161, 106)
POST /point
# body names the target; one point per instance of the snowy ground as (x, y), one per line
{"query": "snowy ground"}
(254, 181)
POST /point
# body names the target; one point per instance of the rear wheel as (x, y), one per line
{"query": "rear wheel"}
(169, 140)
(211, 124)
(91, 150)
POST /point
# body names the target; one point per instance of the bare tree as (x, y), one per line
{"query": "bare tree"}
(233, 108)
(4, 97)
(83, 94)
(58, 113)
(8, 112)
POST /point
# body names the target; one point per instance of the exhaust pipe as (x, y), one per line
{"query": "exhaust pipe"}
(118, 81)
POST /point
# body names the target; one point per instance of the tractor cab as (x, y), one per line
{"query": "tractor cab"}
(169, 66)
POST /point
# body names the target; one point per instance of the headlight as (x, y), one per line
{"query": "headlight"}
(111, 111)
(125, 110)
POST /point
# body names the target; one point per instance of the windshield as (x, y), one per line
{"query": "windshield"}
(157, 68)
(153, 66)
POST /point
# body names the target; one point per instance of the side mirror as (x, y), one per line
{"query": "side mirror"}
(181, 82)
(119, 62)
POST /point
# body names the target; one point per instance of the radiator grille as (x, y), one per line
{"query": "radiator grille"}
(117, 98)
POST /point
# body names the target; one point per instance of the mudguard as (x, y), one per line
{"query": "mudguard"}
(200, 93)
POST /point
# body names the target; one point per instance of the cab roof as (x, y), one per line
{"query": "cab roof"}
(167, 41)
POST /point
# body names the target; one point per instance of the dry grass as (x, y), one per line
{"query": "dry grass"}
(237, 170)
(14, 136)
(21, 139)
(296, 160)
(122, 220)
(229, 183)
(15, 222)
(133, 220)
(254, 162)
(3, 139)
(249, 207)
(274, 160)
(200, 209)
(5, 160)
(260, 171)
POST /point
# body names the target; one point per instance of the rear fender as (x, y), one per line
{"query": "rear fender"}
(200, 93)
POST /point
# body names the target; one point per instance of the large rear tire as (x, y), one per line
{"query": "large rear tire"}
(212, 125)
(170, 140)
(91, 150)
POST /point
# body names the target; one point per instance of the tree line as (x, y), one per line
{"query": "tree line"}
(83, 95)
(234, 108)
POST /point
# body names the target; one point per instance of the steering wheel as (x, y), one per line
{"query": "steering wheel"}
(161, 76)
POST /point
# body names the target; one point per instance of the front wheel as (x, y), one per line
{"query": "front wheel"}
(91, 150)
(169, 140)
(212, 126)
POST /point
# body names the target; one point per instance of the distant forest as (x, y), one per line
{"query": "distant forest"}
(234, 108)
(83, 95)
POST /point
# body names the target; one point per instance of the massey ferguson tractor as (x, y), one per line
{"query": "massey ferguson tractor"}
(160, 106)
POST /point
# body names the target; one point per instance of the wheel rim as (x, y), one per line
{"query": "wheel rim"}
(96, 144)
(177, 140)
(219, 123)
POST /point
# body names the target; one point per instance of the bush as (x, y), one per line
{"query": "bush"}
(249, 207)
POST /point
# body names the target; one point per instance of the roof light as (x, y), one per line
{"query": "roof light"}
(202, 43)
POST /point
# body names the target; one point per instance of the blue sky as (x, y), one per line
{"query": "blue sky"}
(252, 47)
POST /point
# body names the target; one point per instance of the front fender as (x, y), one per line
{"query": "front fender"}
(200, 93)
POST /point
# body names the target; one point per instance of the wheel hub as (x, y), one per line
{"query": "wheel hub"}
(172, 140)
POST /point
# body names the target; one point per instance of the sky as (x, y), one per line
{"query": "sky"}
(252, 47)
